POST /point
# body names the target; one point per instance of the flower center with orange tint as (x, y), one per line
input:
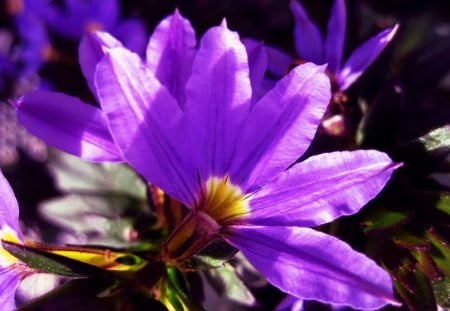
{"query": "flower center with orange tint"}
(14, 7)
(93, 26)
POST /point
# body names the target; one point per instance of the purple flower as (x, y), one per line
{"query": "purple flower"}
(312, 47)
(76, 18)
(186, 122)
(12, 270)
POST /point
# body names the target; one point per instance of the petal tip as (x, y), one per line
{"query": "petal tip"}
(224, 24)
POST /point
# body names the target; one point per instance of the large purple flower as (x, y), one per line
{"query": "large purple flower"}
(312, 47)
(187, 123)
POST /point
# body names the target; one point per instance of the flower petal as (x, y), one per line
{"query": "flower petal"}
(144, 120)
(9, 209)
(312, 265)
(218, 101)
(334, 42)
(257, 62)
(68, 124)
(321, 189)
(91, 51)
(9, 281)
(308, 41)
(363, 56)
(280, 126)
(278, 61)
(171, 52)
(138, 41)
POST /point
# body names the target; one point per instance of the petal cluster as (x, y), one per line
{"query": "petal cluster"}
(187, 120)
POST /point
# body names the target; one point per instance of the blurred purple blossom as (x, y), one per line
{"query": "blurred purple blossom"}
(311, 46)
(77, 17)
(185, 121)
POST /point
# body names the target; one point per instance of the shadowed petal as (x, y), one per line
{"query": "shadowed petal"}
(144, 119)
(363, 56)
(278, 61)
(290, 303)
(170, 54)
(312, 265)
(257, 62)
(218, 100)
(68, 124)
(9, 210)
(308, 41)
(280, 126)
(91, 51)
(321, 189)
(334, 42)
(138, 41)
(9, 281)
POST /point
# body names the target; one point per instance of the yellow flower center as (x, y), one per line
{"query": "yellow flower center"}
(9, 235)
(223, 201)
(220, 204)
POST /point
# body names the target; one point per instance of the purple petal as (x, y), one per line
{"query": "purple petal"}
(9, 210)
(170, 54)
(79, 17)
(334, 42)
(363, 56)
(308, 41)
(67, 123)
(218, 100)
(9, 281)
(136, 42)
(312, 265)
(280, 126)
(257, 62)
(278, 61)
(91, 51)
(321, 189)
(144, 120)
(290, 303)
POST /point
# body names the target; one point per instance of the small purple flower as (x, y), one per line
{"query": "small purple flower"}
(312, 47)
(76, 18)
(12, 270)
(186, 121)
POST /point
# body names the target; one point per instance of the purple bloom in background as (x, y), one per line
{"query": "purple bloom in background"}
(76, 18)
(311, 46)
(185, 121)
(34, 46)
(12, 270)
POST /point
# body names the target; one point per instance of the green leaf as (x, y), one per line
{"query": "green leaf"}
(414, 288)
(51, 263)
(229, 285)
(440, 251)
(73, 174)
(173, 292)
(444, 203)
(441, 290)
(382, 220)
(215, 255)
(406, 239)
(437, 141)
